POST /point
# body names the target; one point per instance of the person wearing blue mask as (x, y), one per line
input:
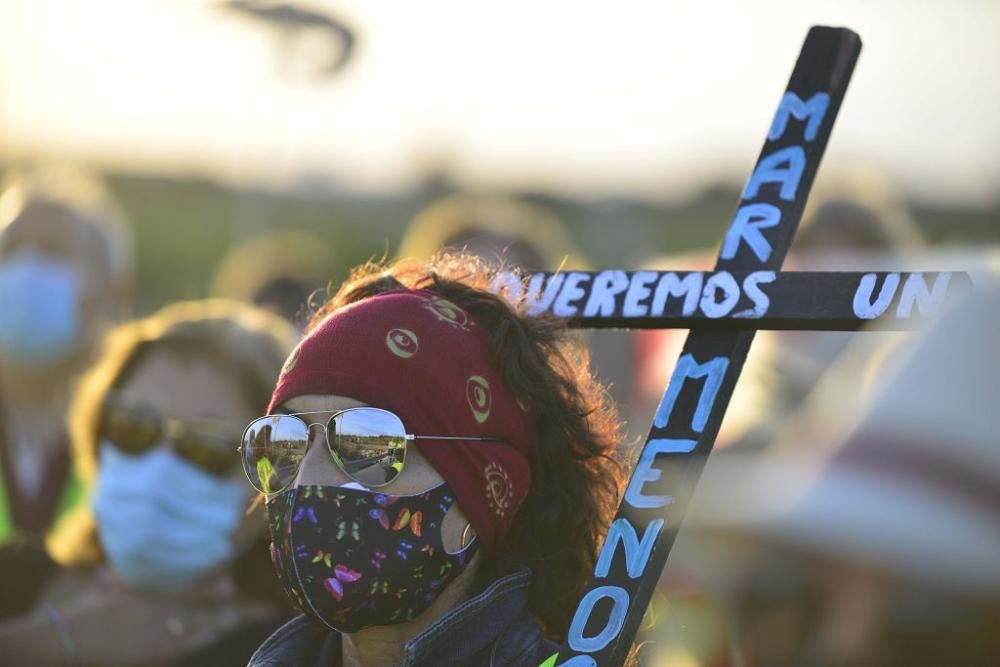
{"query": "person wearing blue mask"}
(165, 565)
(65, 276)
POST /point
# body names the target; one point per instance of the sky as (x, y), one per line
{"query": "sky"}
(647, 99)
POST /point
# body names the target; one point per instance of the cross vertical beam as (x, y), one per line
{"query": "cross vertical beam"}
(688, 419)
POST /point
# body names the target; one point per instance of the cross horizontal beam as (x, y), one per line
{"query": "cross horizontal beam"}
(737, 300)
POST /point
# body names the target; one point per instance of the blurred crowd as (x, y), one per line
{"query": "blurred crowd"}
(850, 514)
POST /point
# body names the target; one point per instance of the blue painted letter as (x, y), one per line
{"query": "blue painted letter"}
(792, 105)
(713, 372)
(747, 223)
(575, 637)
(539, 301)
(868, 309)
(761, 301)
(607, 285)
(724, 282)
(636, 552)
(915, 292)
(571, 291)
(670, 285)
(645, 472)
(773, 169)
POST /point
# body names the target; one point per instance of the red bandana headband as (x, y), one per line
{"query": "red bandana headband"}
(422, 357)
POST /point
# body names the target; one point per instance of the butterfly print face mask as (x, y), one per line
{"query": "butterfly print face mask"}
(351, 558)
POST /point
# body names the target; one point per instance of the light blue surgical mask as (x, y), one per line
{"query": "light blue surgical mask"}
(39, 313)
(163, 522)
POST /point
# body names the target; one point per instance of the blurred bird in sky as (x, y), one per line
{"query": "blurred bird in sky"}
(290, 22)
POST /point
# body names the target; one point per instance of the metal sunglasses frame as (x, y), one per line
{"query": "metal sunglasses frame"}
(408, 437)
(183, 435)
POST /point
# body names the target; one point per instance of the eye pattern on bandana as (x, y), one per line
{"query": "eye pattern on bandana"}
(477, 392)
(498, 488)
(402, 342)
(446, 311)
(352, 558)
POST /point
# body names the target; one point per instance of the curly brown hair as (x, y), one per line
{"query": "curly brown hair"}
(576, 470)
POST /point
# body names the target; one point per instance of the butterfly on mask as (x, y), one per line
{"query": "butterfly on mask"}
(379, 513)
(406, 519)
(347, 528)
(341, 575)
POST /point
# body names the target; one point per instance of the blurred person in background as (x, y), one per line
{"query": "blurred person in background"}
(439, 469)
(277, 271)
(857, 223)
(165, 566)
(855, 211)
(879, 545)
(515, 234)
(66, 267)
(501, 230)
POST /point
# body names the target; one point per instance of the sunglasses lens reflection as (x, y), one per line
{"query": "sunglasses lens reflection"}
(130, 431)
(208, 452)
(369, 444)
(273, 447)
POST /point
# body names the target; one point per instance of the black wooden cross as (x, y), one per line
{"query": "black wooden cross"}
(724, 308)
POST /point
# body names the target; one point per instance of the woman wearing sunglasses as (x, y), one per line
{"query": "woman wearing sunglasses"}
(165, 566)
(438, 469)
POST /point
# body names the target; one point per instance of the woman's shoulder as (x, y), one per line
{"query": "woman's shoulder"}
(522, 644)
(302, 643)
(298, 642)
(496, 628)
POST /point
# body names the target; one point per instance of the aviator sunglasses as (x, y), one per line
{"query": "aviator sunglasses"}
(367, 444)
(204, 443)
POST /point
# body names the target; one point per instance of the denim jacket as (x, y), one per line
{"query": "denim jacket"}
(492, 629)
